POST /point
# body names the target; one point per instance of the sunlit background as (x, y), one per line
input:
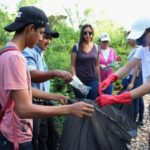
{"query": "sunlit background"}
(124, 12)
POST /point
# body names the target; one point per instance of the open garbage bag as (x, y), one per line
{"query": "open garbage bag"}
(107, 129)
(126, 108)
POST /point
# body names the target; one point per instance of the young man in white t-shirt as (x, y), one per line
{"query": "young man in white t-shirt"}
(143, 54)
(140, 32)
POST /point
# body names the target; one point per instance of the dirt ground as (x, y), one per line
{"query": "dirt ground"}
(142, 141)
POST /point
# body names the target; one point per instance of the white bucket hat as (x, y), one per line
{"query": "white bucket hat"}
(138, 28)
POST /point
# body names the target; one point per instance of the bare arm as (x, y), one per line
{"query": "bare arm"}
(25, 108)
(36, 93)
(136, 70)
(42, 76)
(125, 69)
(98, 69)
(141, 90)
(73, 63)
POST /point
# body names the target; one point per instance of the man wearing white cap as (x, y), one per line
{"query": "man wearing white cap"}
(140, 31)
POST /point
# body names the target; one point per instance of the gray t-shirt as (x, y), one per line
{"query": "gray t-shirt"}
(86, 63)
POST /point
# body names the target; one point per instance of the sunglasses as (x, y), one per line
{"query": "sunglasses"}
(87, 32)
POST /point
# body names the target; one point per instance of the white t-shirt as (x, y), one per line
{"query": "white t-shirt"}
(143, 54)
(106, 53)
(131, 57)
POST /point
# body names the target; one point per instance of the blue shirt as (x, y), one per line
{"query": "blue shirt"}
(35, 61)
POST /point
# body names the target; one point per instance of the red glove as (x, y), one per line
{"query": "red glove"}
(124, 98)
(110, 79)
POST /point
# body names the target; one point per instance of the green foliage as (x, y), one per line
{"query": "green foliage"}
(118, 40)
(58, 54)
(5, 19)
(117, 36)
(56, 20)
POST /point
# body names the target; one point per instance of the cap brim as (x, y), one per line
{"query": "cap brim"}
(54, 34)
(14, 26)
(135, 34)
(105, 39)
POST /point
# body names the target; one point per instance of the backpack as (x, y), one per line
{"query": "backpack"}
(2, 110)
(9, 102)
(96, 46)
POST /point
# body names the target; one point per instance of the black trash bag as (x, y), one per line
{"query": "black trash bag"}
(53, 136)
(107, 129)
(126, 108)
(121, 123)
(52, 133)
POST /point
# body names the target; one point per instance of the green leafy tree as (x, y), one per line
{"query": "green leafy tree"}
(117, 35)
(5, 19)
(58, 54)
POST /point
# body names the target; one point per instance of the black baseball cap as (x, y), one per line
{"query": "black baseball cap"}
(48, 30)
(28, 15)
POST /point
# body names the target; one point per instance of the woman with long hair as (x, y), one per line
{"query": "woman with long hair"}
(85, 62)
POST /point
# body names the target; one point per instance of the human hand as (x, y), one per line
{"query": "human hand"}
(130, 86)
(65, 75)
(81, 109)
(119, 58)
(62, 99)
(110, 79)
(124, 98)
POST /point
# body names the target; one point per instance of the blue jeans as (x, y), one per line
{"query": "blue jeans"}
(138, 109)
(109, 90)
(93, 93)
(7, 145)
(138, 104)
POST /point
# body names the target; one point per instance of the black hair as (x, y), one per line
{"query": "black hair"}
(20, 30)
(36, 26)
(142, 40)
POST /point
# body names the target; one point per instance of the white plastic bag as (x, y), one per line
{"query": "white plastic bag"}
(76, 83)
